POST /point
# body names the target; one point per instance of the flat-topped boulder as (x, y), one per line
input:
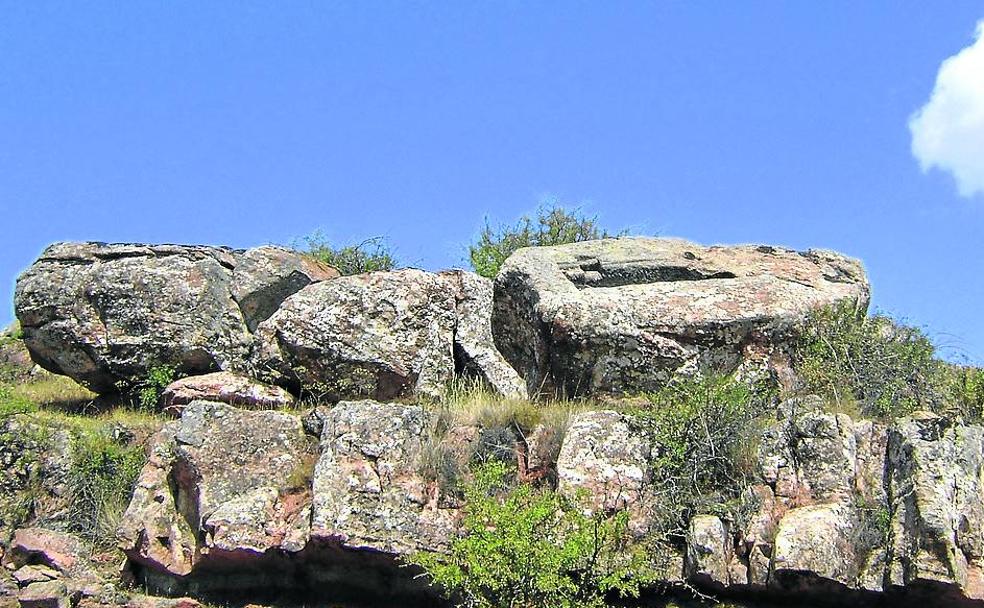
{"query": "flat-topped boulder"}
(106, 314)
(627, 314)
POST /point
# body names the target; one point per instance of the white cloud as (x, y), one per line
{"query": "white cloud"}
(948, 132)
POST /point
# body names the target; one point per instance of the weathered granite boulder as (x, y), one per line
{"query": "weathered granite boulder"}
(384, 335)
(368, 489)
(708, 554)
(106, 314)
(626, 314)
(380, 334)
(225, 387)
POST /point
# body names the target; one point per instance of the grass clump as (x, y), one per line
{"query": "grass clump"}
(533, 548)
(367, 256)
(103, 473)
(704, 431)
(553, 225)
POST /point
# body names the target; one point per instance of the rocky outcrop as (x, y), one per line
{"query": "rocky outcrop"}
(248, 498)
(624, 315)
(237, 499)
(106, 314)
(384, 335)
(380, 334)
(474, 347)
(217, 481)
(225, 387)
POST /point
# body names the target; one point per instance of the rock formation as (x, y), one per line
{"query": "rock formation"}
(623, 315)
(107, 314)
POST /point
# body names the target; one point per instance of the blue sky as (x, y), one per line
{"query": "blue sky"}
(248, 123)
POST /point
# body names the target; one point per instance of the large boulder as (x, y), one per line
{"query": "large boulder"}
(381, 335)
(626, 314)
(106, 314)
(384, 335)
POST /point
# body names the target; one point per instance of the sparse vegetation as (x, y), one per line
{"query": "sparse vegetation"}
(881, 368)
(553, 225)
(369, 255)
(534, 548)
(704, 431)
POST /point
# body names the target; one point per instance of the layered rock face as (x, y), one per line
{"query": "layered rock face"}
(234, 498)
(107, 314)
(623, 315)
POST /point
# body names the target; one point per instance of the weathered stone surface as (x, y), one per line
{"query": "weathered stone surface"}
(225, 387)
(380, 335)
(937, 494)
(48, 594)
(368, 489)
(217, 481)
(709, 552)
(623, 315)
(604, 456)
(58, 550)
(25, 575)
(816, 539)
(106, 314)
(475, 350)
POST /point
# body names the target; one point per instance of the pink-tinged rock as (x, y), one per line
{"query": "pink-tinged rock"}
(225, 387)
(58, 550)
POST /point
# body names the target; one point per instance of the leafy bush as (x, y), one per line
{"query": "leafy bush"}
(885, 368)
(367, 256)
(553, 225)
(704, 430)
(101, 481)
(533, 548)
(158, 379)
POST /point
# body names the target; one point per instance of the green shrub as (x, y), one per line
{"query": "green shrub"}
(885, 368)
(533, 548)
(101, 481)
(553, 225)
(704, 433)
(367, 256)
(964, 387)
(151, 389)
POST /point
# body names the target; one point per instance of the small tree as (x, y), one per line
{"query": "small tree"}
(553, 225)
(367, 256)
(525, 547)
